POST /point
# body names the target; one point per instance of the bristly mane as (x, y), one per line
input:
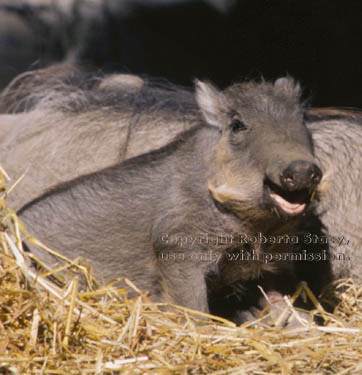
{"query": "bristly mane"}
(65, 88)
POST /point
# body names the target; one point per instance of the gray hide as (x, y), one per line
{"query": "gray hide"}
(337, 136)
(245, 166)
(94, 142)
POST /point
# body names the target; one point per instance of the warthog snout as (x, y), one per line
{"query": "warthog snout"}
(297, 185)
(300, 174)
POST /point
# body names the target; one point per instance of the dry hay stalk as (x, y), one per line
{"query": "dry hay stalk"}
(51, 329)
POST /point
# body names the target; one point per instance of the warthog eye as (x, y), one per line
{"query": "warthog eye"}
(237, 126)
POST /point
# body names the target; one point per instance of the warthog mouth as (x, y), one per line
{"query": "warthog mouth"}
(288, 202)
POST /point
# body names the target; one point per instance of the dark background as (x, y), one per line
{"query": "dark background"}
(318, 42)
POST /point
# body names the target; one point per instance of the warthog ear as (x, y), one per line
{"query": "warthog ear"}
(211, 102)
(288, 85)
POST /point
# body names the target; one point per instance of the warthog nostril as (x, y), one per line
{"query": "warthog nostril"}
(300, 174)
(316, 176)
(288, 179)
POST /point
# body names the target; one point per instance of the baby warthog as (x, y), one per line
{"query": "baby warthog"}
(243, 170)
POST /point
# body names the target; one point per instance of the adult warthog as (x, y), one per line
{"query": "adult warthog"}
(244, 165)
(337, 136)
(59, 124)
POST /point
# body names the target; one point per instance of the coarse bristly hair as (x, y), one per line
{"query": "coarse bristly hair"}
(65, 87)
(281, 99)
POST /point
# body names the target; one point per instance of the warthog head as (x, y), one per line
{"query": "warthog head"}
(264, 159)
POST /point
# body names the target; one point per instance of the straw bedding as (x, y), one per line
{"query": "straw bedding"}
(48, 325)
